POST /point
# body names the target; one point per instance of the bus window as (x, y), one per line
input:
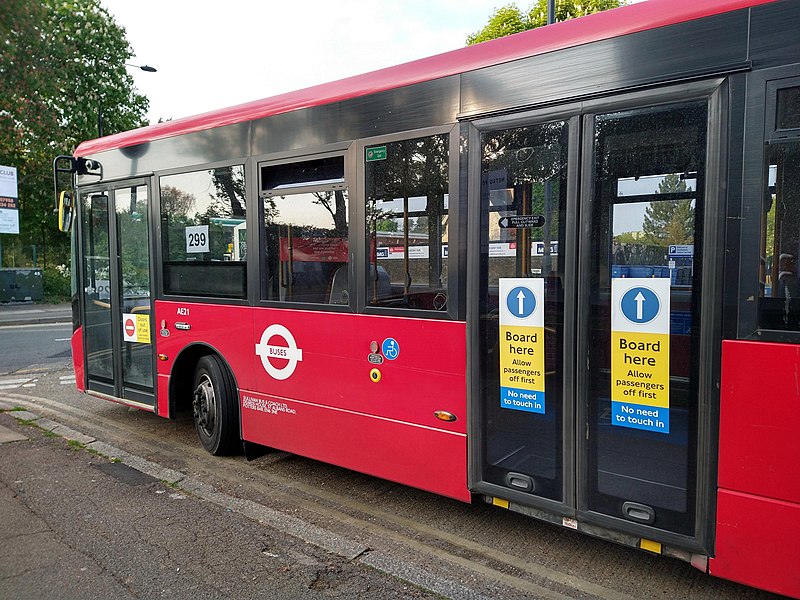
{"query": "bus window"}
(204, 233)
(305, 208)
(788, 114)
(779, 290)
(407, 203)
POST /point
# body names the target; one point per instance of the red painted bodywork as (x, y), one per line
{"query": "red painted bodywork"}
(76, 343)
(162, 396)
(329, 408)
(758, 500)
(592, 28)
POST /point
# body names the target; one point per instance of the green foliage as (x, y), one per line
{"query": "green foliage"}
(386, 225)
(504, 21)
(56, 284)
(510, 19)
(62, 64)
(669, 222)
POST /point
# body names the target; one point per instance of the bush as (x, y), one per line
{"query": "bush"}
(56, 284)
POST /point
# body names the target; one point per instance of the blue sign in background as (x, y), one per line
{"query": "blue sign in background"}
(521, 302)
(640, 305)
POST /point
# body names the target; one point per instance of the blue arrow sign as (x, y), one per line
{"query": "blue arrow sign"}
(640, 305)
(521, 302)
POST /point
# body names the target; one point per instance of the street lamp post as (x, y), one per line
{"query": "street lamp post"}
(145, 68)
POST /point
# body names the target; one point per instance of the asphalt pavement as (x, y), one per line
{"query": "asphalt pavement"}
(18, 313)
(81, 519)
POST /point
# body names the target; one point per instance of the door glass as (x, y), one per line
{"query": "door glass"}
(97, 287)
(523, 199)
(645, 248)
(134, 293)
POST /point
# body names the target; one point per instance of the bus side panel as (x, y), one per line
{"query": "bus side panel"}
(76, 344)
(758, 502)
(758, 542)
(759, 443)
(310, 383)
(428, 459)
(421, 364)
(227, 330)
(362, 392)
(162, 383)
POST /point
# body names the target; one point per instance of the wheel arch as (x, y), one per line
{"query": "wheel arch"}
(182, 375)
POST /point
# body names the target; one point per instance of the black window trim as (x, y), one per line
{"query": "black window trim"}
(344, 149)
(158, 255)
(456, 269)
(760, 133)
(303, 188)
(771, 130)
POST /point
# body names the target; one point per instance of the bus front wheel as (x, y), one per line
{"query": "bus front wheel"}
(215, 407)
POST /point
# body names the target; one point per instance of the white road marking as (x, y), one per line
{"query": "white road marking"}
(14, 381)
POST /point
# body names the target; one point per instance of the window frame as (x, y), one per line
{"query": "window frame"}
(158, 255)
(303, 188)
(760, 132)
(771, 130)
(345, 150)
(455, 213)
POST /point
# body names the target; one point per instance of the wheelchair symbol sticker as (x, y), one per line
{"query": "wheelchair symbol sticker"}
(390, 348)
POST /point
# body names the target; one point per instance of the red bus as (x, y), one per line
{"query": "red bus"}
(555, 271)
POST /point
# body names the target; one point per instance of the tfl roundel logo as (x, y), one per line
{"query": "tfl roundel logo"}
(287, 354)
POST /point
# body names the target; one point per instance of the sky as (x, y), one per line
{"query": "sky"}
(210, 55)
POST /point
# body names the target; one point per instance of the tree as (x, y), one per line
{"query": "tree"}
(669, 221)
(230, 186)
(337, 209)
(386, 225)
(510, 19)
(62, 67)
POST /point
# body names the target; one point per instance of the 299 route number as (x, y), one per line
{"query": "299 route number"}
(197, 239)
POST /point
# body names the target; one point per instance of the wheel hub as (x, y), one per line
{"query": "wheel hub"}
(204, 406)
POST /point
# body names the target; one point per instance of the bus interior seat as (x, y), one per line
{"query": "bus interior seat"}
(339, 289)
(339, 284)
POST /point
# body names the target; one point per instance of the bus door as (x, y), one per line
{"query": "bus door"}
(116, 298)
(587, 316)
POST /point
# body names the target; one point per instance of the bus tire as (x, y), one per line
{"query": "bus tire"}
(215, 408)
